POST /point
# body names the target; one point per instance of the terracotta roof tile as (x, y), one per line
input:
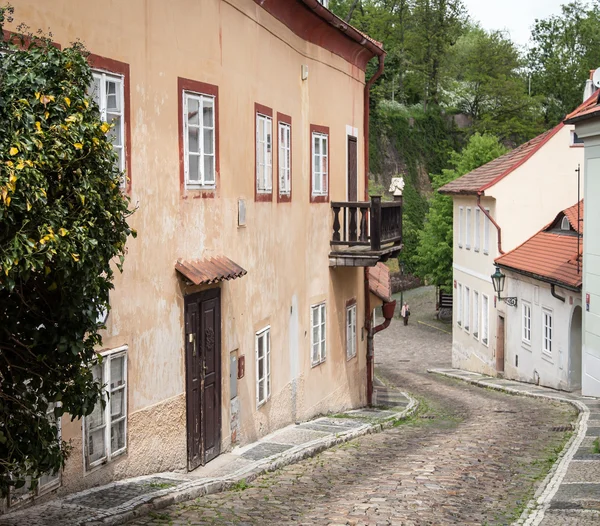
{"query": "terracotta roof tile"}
(571, 214)
(588, 108)
(550, 255)
(208, 271)
(379, 282)
(489, 174)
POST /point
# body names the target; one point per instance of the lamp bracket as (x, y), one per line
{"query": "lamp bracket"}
(511, 302)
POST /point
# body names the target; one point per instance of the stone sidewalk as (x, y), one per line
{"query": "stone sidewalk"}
(570, 494)
(124, 500)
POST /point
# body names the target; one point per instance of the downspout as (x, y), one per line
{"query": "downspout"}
(486, 214)
(368, 313)
(553, 292)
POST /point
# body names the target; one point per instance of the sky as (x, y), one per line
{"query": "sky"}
(515, 16)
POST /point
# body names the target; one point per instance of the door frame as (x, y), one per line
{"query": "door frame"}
(198, 298)
(352, 132)
(500, 352)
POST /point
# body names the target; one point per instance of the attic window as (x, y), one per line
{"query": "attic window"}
(565, 225)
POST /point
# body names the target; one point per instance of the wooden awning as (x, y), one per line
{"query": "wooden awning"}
(208, 271)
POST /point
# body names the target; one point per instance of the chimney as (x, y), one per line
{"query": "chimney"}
(590, 88)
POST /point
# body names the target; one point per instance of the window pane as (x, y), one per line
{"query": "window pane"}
(315, 353)
(117, 372)
(95, 90)
(115, 132)
(117, 404)
(317, 145)
(208, 112)
(193, 170)
(209, 169)
(260, 347)
(193, 142)
(96, 445)
(113, 96)
(193, 107)
(209, 141)
(117, 436)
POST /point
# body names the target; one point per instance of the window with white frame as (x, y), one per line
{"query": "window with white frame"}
(526, 322)
(459, 304)
(106, 428)
(468, 232)
(320, 164)
(199, 140)
(351, 331)
(547, 330)
(318, 333)
(263, 366)
(324, 3)
(486, 233)
(475, 314)
(485, 319)
(477, 230)
(460, 226)
(467, 307)
(284, 158)
(264, 154)
(107, 92)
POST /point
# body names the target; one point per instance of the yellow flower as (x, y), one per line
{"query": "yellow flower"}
(67, 101)
(45, 99)
(86, 103)
(12, 178)
(105, 127)
(38, 126)
(20, 165)
(8, 199)
(10, 164)
(62, 232)
(37, 95)
(95, 141)
(78, 146)
(28, 206)
(75, 257)
(46, 114)
(71, 118)
(14, 151)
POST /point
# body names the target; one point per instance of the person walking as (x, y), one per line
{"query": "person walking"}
(405, 312)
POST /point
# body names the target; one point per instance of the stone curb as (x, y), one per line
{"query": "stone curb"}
(198, 488)
(534, 512)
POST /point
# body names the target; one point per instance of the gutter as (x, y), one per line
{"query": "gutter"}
(543, 279)
(553, 292)
(487, 214)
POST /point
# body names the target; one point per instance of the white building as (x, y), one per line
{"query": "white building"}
(543, 278)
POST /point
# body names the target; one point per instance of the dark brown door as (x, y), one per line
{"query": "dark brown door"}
(203, 376)
(500, 345)
(352, 169)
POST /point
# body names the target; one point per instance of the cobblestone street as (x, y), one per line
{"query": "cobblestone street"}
(471, 456)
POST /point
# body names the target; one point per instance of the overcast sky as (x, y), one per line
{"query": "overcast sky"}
(515, 16)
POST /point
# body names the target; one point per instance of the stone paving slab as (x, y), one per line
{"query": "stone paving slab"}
(573, 484)
(121, 501)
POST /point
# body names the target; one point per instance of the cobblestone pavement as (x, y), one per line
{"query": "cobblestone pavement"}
(472, 457)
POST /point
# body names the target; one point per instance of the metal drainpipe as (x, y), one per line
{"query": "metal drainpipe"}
(368, 313)
(553, 292)
(486, 214)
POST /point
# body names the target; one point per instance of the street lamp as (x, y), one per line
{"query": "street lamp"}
(498, 281)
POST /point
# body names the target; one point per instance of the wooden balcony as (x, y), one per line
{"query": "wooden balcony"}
(365, 232)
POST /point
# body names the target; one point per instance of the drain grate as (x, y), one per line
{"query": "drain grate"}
(427, 417)
(562, 428)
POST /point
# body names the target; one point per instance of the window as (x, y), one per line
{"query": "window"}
(264, 154)
(284, 157)
(475, 314)
(467, 306)
(486, 233)
(199, 140)
(318, 342)
(565, 225)
(485, 318)
(459, 304)
(547, 330)
(324, 3)
(263, 366)
(460, 226)
(351, 331)
(526, 322)
(477, 229)
(320, 163)
(575, 140)
(468, 233)
(106, 429)
(107, 92)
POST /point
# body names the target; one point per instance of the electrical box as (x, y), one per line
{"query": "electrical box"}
(233, 373)
(241, 371)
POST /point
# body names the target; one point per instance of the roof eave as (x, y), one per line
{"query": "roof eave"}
(581, 118)
(545, 279)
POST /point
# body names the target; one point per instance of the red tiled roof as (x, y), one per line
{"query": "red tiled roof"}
(550, 255)
(572, 216)
(489, 174)
(586, 110)
(379, 282)
(207, 271)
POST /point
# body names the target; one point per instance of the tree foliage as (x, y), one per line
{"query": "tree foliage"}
(564, 49)
(63, 222)
(434, 253)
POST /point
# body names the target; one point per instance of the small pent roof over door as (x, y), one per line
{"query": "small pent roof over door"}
(209, 270)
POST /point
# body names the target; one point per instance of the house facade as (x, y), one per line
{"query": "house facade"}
(587, 126)
(241, 127)
(543, 278)
(497, 207)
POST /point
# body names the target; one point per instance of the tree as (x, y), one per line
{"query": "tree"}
(63, 229)
(564, 49)
(434, 253)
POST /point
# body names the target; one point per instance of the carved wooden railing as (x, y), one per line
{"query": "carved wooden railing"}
(372, 224)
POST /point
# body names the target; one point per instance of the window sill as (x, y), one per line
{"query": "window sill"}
(350, 358)
(476, 335)
(99, 464)
(526, 346)
(284, 198)
(485, 342)
(263, 197)
(261, 404)
(199, 192)
(547, 357)
(486, 252)
(316, 364)
(320, 198)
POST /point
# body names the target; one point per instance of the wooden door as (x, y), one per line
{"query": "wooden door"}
(500, 345)
(203, 376)
(352, 169)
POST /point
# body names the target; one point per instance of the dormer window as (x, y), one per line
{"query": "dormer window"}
(565, 225)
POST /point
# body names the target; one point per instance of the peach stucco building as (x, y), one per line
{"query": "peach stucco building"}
(241, 127)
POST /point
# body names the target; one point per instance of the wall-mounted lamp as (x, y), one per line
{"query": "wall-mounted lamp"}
(498, 281)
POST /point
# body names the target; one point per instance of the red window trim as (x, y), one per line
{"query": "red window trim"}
(262, 197)
(202, 88)
(120, 68)
(286, 119)
(315, 128)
